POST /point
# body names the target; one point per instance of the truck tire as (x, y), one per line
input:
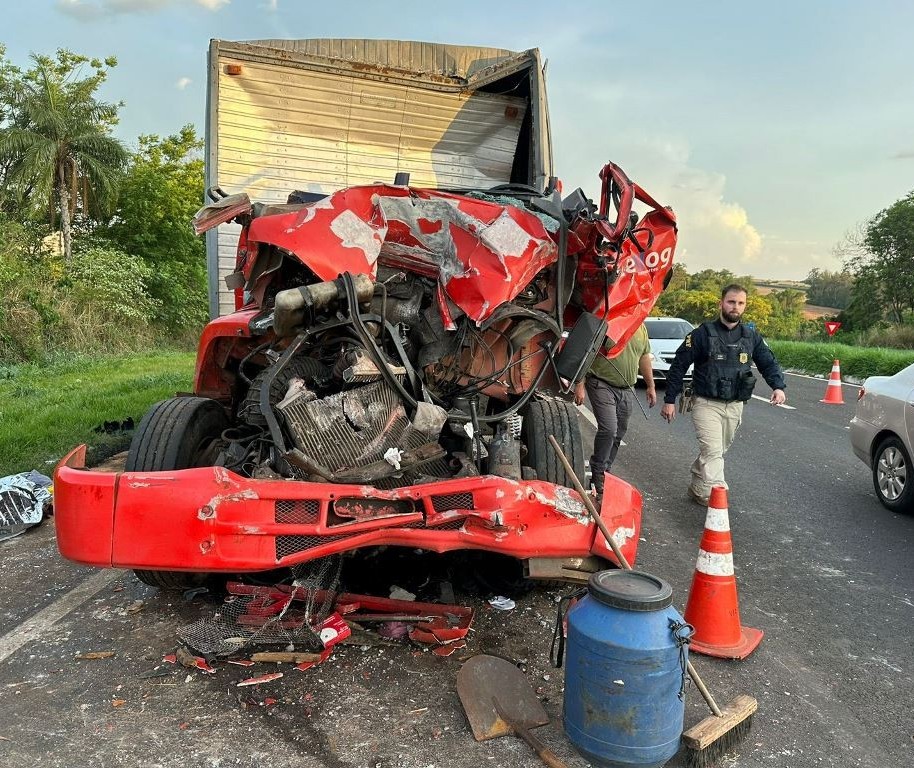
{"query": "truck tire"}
(179, 433)
(553, 417)
(172, 581)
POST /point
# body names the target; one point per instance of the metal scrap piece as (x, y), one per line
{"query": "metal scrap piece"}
(22, 501)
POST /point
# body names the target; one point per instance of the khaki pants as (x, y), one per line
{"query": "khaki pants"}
(716, 422)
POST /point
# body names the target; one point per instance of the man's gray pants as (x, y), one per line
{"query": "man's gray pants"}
(612, 406)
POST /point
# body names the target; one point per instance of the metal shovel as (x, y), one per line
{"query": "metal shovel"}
(499, 701)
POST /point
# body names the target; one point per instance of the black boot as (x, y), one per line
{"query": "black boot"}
(597, 483)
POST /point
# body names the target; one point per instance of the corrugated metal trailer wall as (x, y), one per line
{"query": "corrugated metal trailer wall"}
(321, 115)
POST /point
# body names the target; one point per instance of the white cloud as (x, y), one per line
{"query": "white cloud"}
(90, 10)
(183, 83)
(79, 10)
(271, 5)
(714, 232)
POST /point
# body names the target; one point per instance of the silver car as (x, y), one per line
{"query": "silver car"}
(881, 436)
(666, 334)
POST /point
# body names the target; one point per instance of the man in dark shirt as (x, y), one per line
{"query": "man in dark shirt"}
(722, 351)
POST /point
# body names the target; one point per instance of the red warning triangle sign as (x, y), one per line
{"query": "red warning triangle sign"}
(831, 326)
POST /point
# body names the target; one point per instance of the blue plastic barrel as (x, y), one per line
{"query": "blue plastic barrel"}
(624, 671)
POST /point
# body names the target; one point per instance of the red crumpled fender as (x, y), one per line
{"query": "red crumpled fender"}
(645, 257)
(483, 253)
(209, 519)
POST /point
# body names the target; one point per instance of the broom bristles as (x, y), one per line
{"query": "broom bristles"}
(714, 736)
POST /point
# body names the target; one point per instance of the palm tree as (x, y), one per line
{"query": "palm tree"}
(58, 145)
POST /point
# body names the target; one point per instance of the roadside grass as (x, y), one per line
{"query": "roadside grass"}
(816, 358)
(47, 409)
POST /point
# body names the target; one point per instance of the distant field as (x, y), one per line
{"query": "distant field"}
(810, 311)
(768, 286)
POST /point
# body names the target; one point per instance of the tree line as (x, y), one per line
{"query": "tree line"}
(695, 297)
(96, 251)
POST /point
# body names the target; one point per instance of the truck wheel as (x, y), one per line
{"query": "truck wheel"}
(559, 418)
(306, 368)
(172, 581)
(893, 476)
(179, 433)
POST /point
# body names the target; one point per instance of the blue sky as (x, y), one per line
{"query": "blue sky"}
(772, 129)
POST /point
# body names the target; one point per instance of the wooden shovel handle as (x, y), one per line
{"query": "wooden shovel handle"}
(543, 752)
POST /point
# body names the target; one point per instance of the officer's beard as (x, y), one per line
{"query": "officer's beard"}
(731, 317)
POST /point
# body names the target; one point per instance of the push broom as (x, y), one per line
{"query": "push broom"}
(718, 733)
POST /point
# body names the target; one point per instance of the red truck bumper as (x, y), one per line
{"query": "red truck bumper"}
(212, 520)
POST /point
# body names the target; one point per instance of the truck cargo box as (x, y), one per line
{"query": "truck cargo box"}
(325, 114)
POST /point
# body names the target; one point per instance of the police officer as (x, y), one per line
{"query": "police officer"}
(722, 351)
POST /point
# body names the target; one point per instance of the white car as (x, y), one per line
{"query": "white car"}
(881, 436)
(666, 334)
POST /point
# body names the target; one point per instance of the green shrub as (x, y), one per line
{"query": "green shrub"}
(112, 282)
(856, 362)
(27, 295)
(87, 328)
(895, 336)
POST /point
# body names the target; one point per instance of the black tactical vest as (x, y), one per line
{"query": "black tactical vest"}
(727, 375)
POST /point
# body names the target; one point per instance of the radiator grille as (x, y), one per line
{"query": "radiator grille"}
(355, 428)
(292, 512)
(449, 501)
(351, 428)
(291, 545)
(451, 525)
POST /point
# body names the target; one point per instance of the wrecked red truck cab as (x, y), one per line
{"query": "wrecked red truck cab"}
(396, 364)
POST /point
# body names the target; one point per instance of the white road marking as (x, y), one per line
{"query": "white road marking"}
(588, 414)
(819, 378)
(767, 400)
(39, 624)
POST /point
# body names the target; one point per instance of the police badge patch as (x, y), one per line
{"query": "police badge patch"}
(743, 358)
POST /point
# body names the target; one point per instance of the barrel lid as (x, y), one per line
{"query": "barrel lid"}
(630, 590)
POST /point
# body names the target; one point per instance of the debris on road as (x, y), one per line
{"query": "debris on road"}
(186, 659)
(398, 593)
(287, 657)
(23, 500)
(93, 655)
(262, 679)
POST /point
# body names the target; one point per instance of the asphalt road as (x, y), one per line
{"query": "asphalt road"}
(822, 568)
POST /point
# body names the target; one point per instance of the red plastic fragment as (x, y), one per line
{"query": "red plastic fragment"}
(262, 679)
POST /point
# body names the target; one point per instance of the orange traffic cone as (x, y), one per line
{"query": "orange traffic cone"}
(833, 390)
(713, 608)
